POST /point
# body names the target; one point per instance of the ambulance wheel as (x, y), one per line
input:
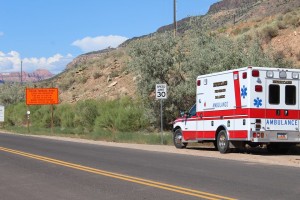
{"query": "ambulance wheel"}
(177, 139)
(222, 142)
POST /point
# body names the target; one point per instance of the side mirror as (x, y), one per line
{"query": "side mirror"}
(187, 114)
(182, 113)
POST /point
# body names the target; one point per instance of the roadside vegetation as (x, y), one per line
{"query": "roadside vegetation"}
(178, 61)
(120, 120)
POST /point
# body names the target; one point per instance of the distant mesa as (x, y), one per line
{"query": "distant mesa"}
(37, 75)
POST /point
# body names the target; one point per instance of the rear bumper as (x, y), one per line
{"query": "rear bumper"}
(278, 136)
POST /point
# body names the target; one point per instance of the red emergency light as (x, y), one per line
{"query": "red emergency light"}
(255, 73)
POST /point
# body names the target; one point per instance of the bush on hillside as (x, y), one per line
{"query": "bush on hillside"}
(67, 82)
(281, 25)
(178, 61)
(269, 32)
(11, 93)
(291, 19)
(97, 75)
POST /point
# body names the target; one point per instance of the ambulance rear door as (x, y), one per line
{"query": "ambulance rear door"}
(282, 103)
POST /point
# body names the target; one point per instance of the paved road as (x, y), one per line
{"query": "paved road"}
(37, 168)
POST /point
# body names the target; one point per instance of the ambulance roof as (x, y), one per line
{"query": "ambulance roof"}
(246, 68)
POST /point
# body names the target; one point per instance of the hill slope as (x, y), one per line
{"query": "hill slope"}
(104, 74)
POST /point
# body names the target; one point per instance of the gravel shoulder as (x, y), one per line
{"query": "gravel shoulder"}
(250, 156)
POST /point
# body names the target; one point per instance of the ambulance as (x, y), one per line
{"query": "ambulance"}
(255, 106)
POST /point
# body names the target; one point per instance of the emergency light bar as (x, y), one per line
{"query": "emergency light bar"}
(295, 75)
(282, 74)
(270, 74)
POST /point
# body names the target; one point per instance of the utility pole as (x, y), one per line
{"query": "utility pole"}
(175, 23)
(233, 19)
(21, 72)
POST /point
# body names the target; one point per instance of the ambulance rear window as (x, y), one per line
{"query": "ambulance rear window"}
(274, 94)
(290, 95)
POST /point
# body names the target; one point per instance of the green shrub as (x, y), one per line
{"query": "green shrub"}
(114, 74)
(97, 75)
(245, 29)
(82, 79)
(85, 115)
(120, 115)
(269, 32)
(11, 93)
(68, 81)
(222, 30)
(236, 31)
(280, 18)
(65, 114)
(293, 20)
(15, 115)
(281, 25)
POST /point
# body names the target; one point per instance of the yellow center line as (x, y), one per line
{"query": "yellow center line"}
(133, 179)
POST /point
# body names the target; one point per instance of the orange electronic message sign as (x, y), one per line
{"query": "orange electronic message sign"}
(41, 96)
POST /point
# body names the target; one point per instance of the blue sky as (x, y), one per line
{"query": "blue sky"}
(50, 33)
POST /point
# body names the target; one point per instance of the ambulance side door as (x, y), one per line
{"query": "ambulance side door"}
(190, 124)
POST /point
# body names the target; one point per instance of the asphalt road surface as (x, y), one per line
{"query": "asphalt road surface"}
(36, 168)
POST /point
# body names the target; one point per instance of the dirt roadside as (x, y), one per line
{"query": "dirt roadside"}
(250, 157)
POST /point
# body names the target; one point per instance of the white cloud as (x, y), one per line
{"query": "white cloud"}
(89, 44)
(1, 33)
(11, 62)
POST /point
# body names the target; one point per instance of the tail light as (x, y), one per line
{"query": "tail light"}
(254, 135)
(258, 88)
(258, 134)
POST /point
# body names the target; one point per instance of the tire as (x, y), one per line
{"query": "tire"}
(222, 142)
(177, 139)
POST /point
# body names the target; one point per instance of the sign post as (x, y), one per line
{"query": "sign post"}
(41, 96)
(160, 94)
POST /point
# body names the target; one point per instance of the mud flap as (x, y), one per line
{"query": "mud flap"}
(236, 144)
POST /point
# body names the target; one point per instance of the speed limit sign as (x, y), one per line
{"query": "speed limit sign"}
(161, 91)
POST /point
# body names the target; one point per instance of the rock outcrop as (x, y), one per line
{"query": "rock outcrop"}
(37, 75)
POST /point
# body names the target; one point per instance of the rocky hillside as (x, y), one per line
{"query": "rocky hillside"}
(103, 74)
(96, 76)
(35, 76)
(233, 11)
(230, 12)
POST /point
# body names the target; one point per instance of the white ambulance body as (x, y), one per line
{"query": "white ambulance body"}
(251, 105)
